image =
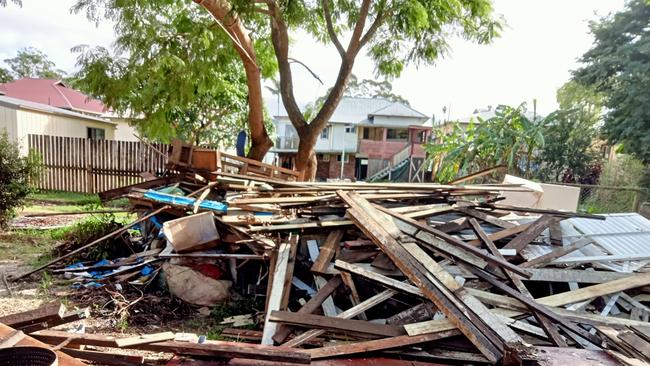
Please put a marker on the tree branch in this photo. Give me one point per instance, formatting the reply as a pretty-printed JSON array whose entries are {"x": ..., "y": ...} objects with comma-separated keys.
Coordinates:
[
  {"x": 330, "y": 28},
  {"x": 353, "y": 46},
  {"x": 280, "y": 40},
  {"x": 379, "y": 19},
  {"x": 306, "y": 67}
]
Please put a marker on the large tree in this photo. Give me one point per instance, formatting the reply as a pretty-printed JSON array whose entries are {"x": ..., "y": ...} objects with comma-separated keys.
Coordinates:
[
  {"x": 32, "y": 63},
  {"x": 571, "y": 138},
  {"x": 618, "y": 66},
  {"x": 174, "y": 74},
  {"x": 213, "y": 68},
  {"x": 394, "y": 33}
]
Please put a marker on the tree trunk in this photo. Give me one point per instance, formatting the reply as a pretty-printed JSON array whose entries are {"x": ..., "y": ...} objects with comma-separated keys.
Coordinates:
[
  {"x": 260, "y": 140},
  {"x": 306, "y": 162}
]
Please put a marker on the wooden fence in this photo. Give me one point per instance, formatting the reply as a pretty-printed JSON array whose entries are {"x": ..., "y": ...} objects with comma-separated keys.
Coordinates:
[{"x": 83, "y": 165}]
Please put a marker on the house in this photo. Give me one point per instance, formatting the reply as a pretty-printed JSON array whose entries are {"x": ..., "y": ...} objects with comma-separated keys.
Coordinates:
[
  {"x": 48, "y": 106},
  {"x": 365, "y": 136}
]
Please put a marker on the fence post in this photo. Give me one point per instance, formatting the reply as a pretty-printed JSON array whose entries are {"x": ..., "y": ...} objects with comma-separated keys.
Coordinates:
[
  {"x": 637, "y": 200},
  {"x": 89, "y": 168}
]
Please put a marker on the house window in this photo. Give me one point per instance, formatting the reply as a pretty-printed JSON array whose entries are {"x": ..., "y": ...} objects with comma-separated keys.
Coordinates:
[
  {"x": 352, "y": 129},
  {"x": 96, "y": 133},
  {"x": 397, "y": 134},
  {"x": 323, "y": 157},
  {"x": 326, "y": 133},
  {"x": 347, "y": 158},
  {"x": 371, "y": 133}
]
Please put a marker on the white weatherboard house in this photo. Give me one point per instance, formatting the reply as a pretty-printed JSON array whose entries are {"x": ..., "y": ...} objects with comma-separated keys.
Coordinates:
[{"x": 368, "y": 134}]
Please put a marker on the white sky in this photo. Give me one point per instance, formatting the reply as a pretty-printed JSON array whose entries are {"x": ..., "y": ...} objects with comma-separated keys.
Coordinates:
[{"x": 532, "y": 58}]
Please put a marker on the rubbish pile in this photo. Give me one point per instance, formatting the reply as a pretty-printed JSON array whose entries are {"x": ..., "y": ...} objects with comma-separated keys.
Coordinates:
[{"x": 389, "y": 273}]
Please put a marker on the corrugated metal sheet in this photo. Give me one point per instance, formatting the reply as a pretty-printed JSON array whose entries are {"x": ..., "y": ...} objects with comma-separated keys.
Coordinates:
[{"x": 618, "y": 234}]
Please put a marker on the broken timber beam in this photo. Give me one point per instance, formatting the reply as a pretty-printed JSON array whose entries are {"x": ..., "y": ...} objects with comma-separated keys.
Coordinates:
[{"x": 364, "y": 215}]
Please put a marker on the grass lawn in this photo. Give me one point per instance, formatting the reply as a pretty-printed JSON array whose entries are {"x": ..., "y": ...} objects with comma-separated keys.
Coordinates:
[{"x": 28, "y": 245}]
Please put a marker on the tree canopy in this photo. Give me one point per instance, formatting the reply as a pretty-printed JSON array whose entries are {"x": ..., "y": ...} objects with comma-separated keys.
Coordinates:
[
  {"x": 393, "y": 34},
  {"x": 173, "y": 71},
  {"x": 373, "y": 89},
  {"x": 30, "y": 63},
  {"x": 570, "y": 150},
  {"x": 618, "y": 66}
]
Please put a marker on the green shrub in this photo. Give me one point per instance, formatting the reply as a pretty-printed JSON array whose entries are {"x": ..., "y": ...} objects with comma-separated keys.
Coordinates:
[
  {"x": 625, "y": 171},
  {"x": 17, "y": 177}
]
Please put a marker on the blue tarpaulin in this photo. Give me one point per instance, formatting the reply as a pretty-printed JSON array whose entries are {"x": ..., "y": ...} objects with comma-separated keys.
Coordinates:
[{"x": 185, "y": 201}]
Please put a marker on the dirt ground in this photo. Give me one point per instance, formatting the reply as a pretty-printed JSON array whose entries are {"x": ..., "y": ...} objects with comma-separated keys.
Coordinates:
[{"x": 128, "y": 312}]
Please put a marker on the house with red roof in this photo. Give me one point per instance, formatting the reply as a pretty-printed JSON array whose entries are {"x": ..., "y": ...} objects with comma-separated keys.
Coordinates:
[{"x": 50, "y": 107}]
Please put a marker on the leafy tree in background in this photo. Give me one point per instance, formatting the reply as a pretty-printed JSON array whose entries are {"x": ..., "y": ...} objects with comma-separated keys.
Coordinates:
[
  {"x": 618, "y": 66},
  {"x": 174, "y": 73},
  {"x": 5, "y": 75},
  {"x": 394, "y": 33},
  {"x": 32, "y": 63},
  {"x": 509, "y": 138},
  {"x": 215, "y": 64},
  {"x": 569, "y": 152},
  {"x": 373, "y": 89}
]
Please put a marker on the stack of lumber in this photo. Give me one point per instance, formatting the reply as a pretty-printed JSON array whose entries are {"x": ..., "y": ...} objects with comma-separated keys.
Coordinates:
[{"x": 400, "y": 272}]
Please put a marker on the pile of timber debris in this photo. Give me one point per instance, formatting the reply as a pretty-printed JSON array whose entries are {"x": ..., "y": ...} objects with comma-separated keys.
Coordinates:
[{"x": 394, "y": 272}]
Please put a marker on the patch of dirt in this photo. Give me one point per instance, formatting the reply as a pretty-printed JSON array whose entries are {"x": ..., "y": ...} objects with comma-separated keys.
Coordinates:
[{"x": 45, "y": 222}]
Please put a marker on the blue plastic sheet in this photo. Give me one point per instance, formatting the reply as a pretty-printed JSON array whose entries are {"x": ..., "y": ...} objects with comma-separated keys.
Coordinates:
[{"x": 185, "y": 201}]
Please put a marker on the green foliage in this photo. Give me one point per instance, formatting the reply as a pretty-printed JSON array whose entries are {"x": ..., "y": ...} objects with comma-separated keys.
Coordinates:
[
  {"x": 90, "y": 229},
  {"x": 174, "y": 71},
  {"x": 569, "y": 153},
  {"x": 17, "y": 177},
  {"x": 624, "y": 171},
  {"x": 31, "y": 63},
  {"x": 618, "y": 66},
  {"x": 509, "y": 138},
  {"x": 5, "y": 75}
]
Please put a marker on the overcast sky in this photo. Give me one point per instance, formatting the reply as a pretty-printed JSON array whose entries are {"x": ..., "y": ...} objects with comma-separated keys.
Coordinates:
[{"x": 532, "y": 59}]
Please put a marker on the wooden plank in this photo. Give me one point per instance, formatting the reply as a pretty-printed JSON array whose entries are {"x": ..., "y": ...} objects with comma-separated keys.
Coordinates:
[
  {"x": 329, "y": 308},
  {"x": 209, "y": 348},
  {"x": 545, "y": 323},
  {"x": 277, "y": 291},
  {"x": 417, "y": 313},
  {"x": 556, "y": 253},
  {"x": 535, "y": 306},
  {"x": 51, "y": 311},
  {"x": 365, "y": 216},
  {"x": 494, "y": 323},
  {"x": 347, "y": 314},
  {"x": 590, "y": 292},
  {"x": 635, "y": 342},
  {"x": 453, "y": 241},
  {"x": 377, "y": 277},
  {"x": 334, "y": 324},
  {"x": 314, "y": 303},
  {"x": 327, "y": 251},
  {"x": 555, "y": 234},
  {"x": 531, "y": 233},
  {"x": 378, "y": 345},
  {"x": 355, "y": 299},
  {"x": 502, "y": 234},
  {"x": 103, "y": 357},
  {"x": 145, "y": 339},
  {"x": 483, "y": 216}
]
